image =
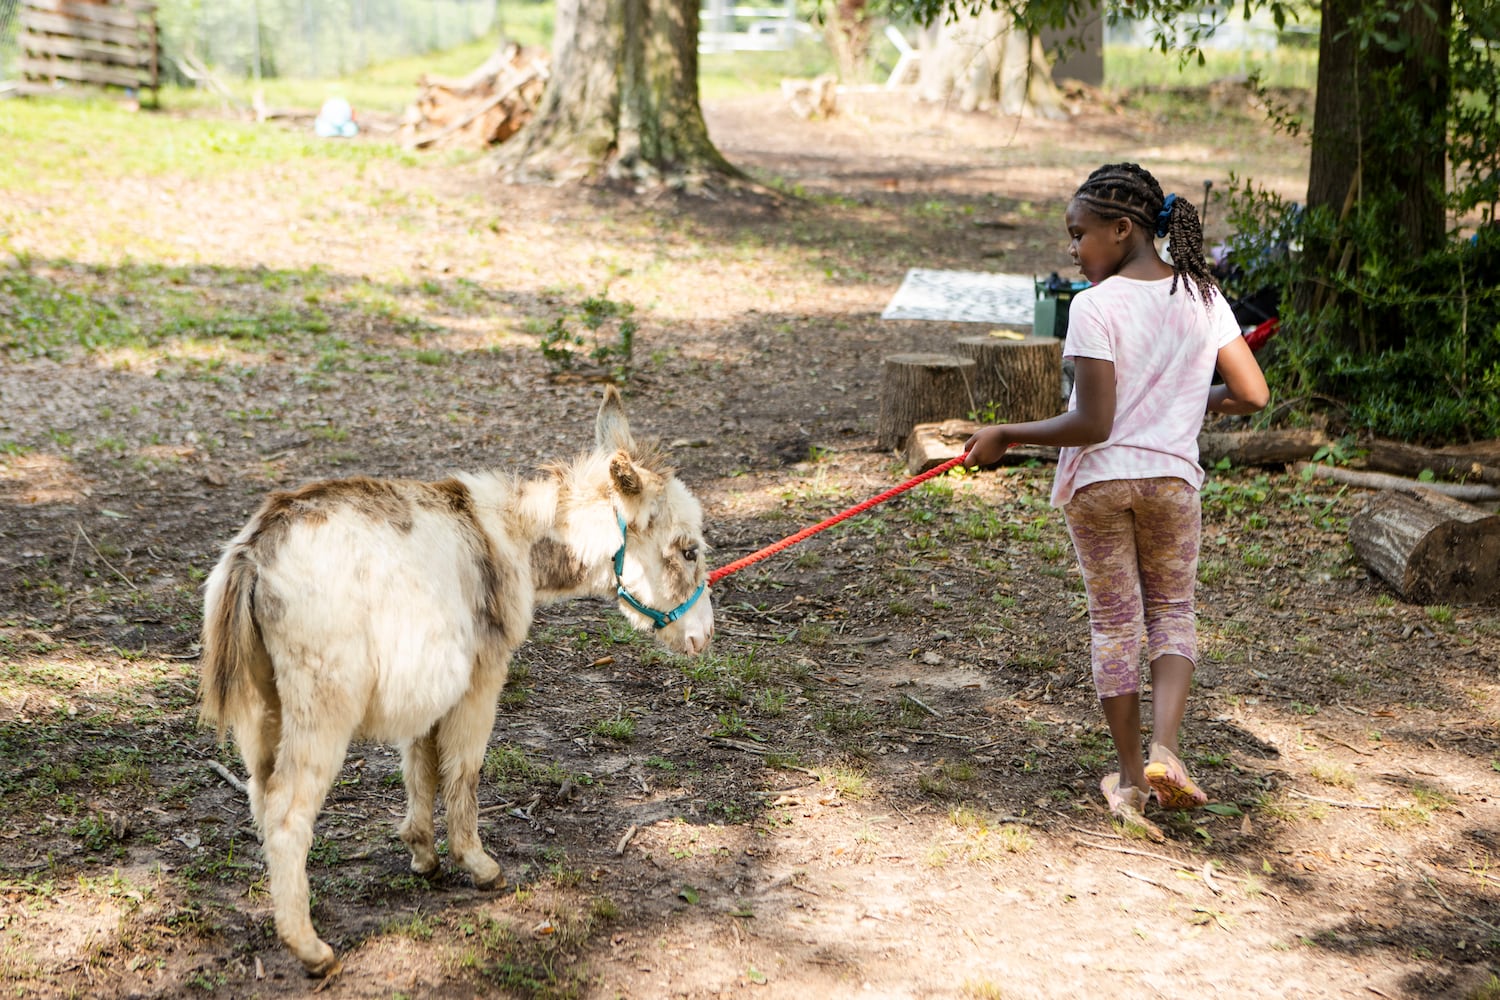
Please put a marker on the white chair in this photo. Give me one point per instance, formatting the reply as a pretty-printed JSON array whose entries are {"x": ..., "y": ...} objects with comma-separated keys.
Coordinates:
[{"x": 906, "y": 61}]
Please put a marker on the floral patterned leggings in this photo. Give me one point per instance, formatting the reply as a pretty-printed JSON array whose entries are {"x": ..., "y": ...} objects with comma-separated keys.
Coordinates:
[{"x": 1137, "y": 544}]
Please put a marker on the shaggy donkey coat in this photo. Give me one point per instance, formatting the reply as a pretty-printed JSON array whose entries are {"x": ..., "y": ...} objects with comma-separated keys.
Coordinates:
[{"x": 388, "y": 610}]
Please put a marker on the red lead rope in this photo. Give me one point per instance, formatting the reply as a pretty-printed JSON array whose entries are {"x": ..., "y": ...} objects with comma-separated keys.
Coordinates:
[{"x": 791, "y": 540}]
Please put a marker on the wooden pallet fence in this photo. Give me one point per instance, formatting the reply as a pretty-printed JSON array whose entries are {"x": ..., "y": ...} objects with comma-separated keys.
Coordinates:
[{"x": 110, "y": 44}]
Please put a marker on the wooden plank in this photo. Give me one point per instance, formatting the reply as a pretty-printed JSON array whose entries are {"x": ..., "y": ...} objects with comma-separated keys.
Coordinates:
[
  {"x": 51, "y": 45},
  {"x": 64, "y": 69},
  {"x": 55, "y": 24},
  {"x": 89, "y": 13}
]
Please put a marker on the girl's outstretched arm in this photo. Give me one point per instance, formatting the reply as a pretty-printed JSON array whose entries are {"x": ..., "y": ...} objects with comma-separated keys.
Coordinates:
[
  {"x": 1244, "y": 389},
  {"x": 1088, "y": 423}
]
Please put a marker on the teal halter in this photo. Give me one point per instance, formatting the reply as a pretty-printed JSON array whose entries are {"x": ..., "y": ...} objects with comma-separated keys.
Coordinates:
[{"x": 659, "y": 619}]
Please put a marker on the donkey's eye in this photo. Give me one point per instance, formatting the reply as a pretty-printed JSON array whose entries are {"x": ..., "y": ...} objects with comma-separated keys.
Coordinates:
[{"x": 691, "y": 555}]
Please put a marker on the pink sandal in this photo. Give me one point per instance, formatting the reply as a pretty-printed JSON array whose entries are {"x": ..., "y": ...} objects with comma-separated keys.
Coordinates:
[
  {"x": 1170, "y": 781},
  {"x": 1127, "y": 806}
]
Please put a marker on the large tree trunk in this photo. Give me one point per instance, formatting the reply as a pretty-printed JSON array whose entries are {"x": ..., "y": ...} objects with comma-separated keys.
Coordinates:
[
  {"x": 981, "y": 61},
  {"x": 622, "y": 102},
  {"x": 1359, "y": 154},
  {"x": 848, "y": 35}
]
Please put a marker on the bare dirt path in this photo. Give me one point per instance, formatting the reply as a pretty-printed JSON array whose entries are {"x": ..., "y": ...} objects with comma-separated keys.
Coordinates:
[{"x": 883, "y": 782}]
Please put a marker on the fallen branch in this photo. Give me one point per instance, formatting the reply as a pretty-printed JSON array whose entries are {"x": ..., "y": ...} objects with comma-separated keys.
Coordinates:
[
  {"x": 1335, "y": 802},
  {"x": 1150, "y": 881},
  {"x": 923, "y": 706},
  {"x": 624, "y": 840},
  {"x": 229, "y": 777},
  {"x": 128, "y": 582},
  {"x": 1471, "y": 492},
  {"x": 1458, "y": 913}
]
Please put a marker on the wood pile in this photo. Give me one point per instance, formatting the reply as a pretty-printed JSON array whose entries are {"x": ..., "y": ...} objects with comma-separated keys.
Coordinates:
[
  {"x": 100, "y": 42},
  {"x": 482, "y": 109}
]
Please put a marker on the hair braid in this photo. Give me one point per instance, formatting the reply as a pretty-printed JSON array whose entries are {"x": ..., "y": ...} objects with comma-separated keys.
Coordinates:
[{"x": 1128, "y": 191}]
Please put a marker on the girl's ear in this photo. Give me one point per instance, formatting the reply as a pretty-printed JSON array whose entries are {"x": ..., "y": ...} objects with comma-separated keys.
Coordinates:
[{"x": 1123, "y": 229}]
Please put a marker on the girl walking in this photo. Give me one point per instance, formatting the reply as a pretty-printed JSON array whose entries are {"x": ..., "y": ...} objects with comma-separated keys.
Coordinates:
[{"x": 1146, "y": 340}]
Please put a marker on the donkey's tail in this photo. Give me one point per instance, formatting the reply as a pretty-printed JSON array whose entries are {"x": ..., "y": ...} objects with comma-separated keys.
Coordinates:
[{"x": 235, "y": 667}]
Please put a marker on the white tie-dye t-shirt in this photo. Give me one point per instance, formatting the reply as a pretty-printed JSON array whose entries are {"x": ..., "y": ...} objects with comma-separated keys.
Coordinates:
[{"x": 1164, "y": 348}]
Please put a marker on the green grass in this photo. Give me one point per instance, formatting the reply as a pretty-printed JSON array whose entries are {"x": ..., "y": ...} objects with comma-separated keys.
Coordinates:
[
  {"x": 1127, "y": 67},
  {"x": 54, "y": 140}
]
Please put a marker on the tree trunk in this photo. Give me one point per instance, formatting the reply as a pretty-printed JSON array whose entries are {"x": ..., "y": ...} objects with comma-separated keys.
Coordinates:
[
  {"x": 622, "y": 103},
  {"x": 980, "y": 61},
  {"x": 1021, "y": 379},
  {"x": 848, "y": 35},
  {"x": 919, "y": 388},
  {"x": 1429, "y": 547},
  {"x": 1360, "y": 155}
]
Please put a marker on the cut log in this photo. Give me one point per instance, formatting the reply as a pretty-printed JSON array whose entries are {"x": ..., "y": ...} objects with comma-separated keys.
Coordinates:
[
  {"x": 1270, "y": 447},
  {"x": 486, "y": 107},
  {"x": 1467, "y": 463},
  {"x": 1429, "y": 547},
  {"x": 1020, "y": 379},
  {"x": 930, "y": 445},
  {"x": 919, "y": 388},
  {"x": 1473, "y": 492}
]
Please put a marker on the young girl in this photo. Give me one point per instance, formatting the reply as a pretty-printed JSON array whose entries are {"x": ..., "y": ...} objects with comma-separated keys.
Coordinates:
[{"x": 1145, "y": 341}]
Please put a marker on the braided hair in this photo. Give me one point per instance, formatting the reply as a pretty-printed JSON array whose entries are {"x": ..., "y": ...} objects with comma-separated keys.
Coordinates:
[{"x": 1127, "y": 190}]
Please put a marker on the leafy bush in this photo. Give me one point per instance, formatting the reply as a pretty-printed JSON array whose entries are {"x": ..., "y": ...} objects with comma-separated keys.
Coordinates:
[
  {"x": 610, "y": 341},
  {"x": 1399, "y": 345}
]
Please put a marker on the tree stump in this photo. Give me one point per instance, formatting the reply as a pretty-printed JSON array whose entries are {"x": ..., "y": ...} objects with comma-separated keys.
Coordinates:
[
  {"x": 919, "y": 388},
  {"x": 1429, "y": 547},
  {"x": 1021, "y": 379}
]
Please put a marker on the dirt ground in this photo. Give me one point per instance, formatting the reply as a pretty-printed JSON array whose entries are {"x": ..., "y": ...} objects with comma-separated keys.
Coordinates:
[{"x": 883, "y": 781}]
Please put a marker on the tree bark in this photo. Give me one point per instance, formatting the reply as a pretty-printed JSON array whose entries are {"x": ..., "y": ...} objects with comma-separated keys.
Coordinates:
[
  {"x": 622, "y": 102},
  {"x": 922, "y": 387},
  {"x": 1359, "y": 154},
  {"x": 1429, "y": 547},
  {"x": 981, "y": 61},
  {"x": 1269, "y": 447},
  {"x": 848, "y": 35},
  {"x": 1021, "y": 379}
]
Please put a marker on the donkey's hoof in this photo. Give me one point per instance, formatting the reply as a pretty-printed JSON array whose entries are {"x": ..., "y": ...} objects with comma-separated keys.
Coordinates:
[
  {"x": 424, "y": 866},
  {"x": 324, "y": 965},
  {"x": 488, "y": 876}
]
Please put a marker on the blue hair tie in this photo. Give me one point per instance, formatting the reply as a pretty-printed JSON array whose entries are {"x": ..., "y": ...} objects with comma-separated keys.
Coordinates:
[{"x": 1165, "y": 215}]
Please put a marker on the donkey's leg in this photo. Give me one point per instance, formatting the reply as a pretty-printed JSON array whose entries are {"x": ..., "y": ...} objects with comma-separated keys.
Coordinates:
[
  {"x": 308, "y": 761},
  {"x": 462, "y": 736},
  {"x": 257, "y": 737},
  {"x": 419, "y": 772}
]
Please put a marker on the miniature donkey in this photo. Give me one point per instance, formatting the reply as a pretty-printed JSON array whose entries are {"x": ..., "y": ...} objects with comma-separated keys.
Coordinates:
[{"x": 389, "y": 609}]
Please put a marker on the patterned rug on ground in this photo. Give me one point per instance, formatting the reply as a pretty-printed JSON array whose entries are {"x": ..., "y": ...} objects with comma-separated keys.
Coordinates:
[{"x": 964, "y": 296}]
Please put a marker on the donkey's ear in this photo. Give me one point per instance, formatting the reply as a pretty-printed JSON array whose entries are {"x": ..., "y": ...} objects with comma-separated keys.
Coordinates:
[
  {"x": 612, "y": 430},
  {"x": 629, "y": 478}
]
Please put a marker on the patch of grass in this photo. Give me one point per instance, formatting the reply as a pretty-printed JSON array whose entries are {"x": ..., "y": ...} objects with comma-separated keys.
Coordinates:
[
  {"x": 846, "y": 781},
  {"x": 621, "y": 728},
  {"x": 508, "y": 767},
  {"x": 1333, "y": 775}
]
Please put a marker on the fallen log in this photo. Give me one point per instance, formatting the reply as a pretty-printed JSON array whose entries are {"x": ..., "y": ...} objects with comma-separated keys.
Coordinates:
[
  {"x": 934, "y": 443},
  {"x": 1268, "y": 447},
  {"x": 1430, "y": 547},
  {"x": 930, "y": 445},
  {"x": 1472, "y": 492},
  {"x": 1475, "y": 463},
  {"x": 486, "y": 107}
]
